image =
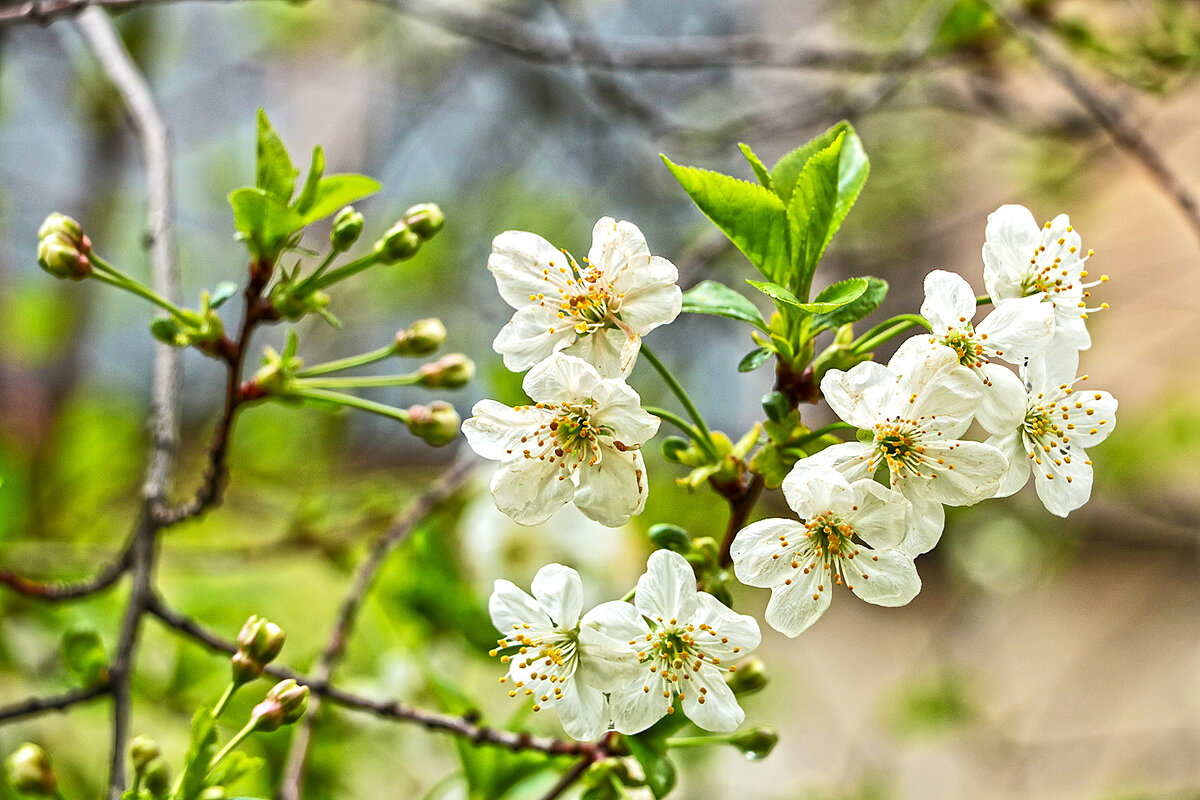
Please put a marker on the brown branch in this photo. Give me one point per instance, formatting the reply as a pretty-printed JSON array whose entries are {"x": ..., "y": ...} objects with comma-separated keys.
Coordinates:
[
  {"x": 292, "y": 785},
  {"x": 58, "y": 591},
  {"x": 58, "y": 702},
  {"x": 569, "y": 777}
]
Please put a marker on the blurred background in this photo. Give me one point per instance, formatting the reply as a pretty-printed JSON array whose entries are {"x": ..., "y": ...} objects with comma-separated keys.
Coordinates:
[{"x": 1043, "y": 659}]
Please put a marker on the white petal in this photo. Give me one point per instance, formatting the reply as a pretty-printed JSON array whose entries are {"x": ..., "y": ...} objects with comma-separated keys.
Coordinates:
[
  {"x": 927, "y": 521},
  {"x": 668, "y": 588},
  {"x": 495, "y": 429},
  {"x": 640, "y": 704},
  {"x": 1012, "y": 445},
  {"x": 741, "y": 630},
  {"x": 521, "y": 263},
  {"x": 582, "y": 711},
  {"x": 617, "y": 247},
  {"x": 860, "y": 395},
  {"x": 852, "y": 459},
  {"x": 814, "y": 489},
  {"x": 527, "y": 339},
  {"x": 1054, "y": 369},
  {"x": 620, "y": 409},
  {"x": 1011, "y": 237},
  {"x": 1059, "y": 495},
  {"x": 510, "y": 608},
  {"x": 949, "y": 301},
  {"x": 1017, "y": 329},
  {"x": 614, "y": 488},
  {"x": 884, "y": 577},
  {"x": 793, "y": 609},
  {"x": 1003, "y": 406},
  {"x": 882, "y": 518},
  {"x": 934, "y": 387},
  {"x": 715, "y": 709},
  {"x": 618, "y": 620},
  {"x": 559, "y": 592},
  {"x": 656, "y": 301},
  {"x": 604, "y": 662},
  {"x": 971, "y": 472},
  {"x": 754, "y": 547},
  {"x": 561, "y": 378},
  {"x": 529, "y": 490},
  {"x": 1089, "y": 428},
  {"x": 608, "y": 350}
]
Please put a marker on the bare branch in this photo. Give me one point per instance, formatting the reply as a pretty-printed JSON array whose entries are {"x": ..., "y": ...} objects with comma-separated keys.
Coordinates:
[
  {"x": 58, "y": 702},
  {"x": 569, "y": 777},
  {"x": 58, "y": 591},
  {"x": 292, "y": 785}
]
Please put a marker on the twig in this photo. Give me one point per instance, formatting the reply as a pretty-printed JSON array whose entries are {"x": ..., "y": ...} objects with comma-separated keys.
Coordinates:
[
  {"x": 568, "y": 778},
  {"x": 57, "y": 591},
  {"x": 58, "y": 702},
  {"x": 461, "y": 726},
  {"x": 292, "y": 785}
]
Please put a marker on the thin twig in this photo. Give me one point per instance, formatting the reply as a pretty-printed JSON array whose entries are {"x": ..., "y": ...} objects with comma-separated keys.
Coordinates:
[
  {"x": 58, "y": 702},
  {"x": 58, "y": 591},
  {"x": 292, "y": 785},
  {"x": 568, "y": 778}
]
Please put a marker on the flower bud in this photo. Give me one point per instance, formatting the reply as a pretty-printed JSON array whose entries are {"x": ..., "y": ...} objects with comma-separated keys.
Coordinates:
[
  {"x": 29, "y": 772},
  {"x": 258, "y": 644},
  {"x": 157, "y": 777},
  {"x": 399, "y": 243},
  {"x": 143, "y": 750},
  {"x": 425, "y": 220},
  {"x": 751, "y": 675},
  {"x": 436, "y": 423},
  {"x": 757, "y": 743},
  {"x": 347, "y": 227},
  {"x": 285, "y": 703},
  {"x": 66, "y": 228},
  {"x": 452, "y": 371},
  {"x": 62, "y": 259},
  {"x": 214, "y": 793},
  {"x": 421, "y": 338}
]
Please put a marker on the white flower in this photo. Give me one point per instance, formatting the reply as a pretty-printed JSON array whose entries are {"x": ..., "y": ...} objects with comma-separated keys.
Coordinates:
[
  {"x": 1012, "y": 332},
  {"x": 683, "y": 650},
  {"x": 915, "y": 409},
  {"x": 1024, "y": 259},
  {"x": 562, "y": 662},
  {"x": 800, "y": 563},
  {"x": 599, "y": 311},
  {"x": 579, "y": 440},
  {"x": 1059, "y": 421}
]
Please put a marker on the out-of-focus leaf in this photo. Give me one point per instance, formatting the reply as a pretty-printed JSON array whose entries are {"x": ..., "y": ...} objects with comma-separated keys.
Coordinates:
[
  {"x": 336, "y": 191},
  {"x": 659, "y": 771},
  {"x": 711, "y": 297},
  {"x": 200, "y": 754},
  {"x": 754, "y": 359},
  {"x": 224, "y": 291},
  {"x": 835, "y": 296},
  {"x": 308, "y": 194},
  {"x": 84, "y": 655},
  {"x": 274, "y": 172}
]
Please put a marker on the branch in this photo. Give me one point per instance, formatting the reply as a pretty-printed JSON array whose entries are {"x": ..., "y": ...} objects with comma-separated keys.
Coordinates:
[
  {"x": 57, "y": 591},
  {"x": 569, "y": 777},
  {"x": 58, "y": 702},
  {"x": 464, "y": 726},
  {"x": 292, "y": 786}
]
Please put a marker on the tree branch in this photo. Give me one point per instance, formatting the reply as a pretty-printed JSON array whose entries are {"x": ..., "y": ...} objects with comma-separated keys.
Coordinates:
[
  {"x": 58, "y": 702},
  {"x": 57, "y": 591}
]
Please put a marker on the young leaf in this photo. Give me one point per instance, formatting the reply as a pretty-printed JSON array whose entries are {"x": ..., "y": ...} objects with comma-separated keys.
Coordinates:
[
  {"x": 265, "y": 220},
  {"x": 776, "y": 292},
  {"x": 336, "y": 191},
  {"x": 199, "y": 755},
  {"x": 754, "y": 359},
  {"x": 788, "y": 168},
  {"x": 836, "y": 296},
  {"x": 83, "y": 653},
  {"x": 312, "y": 181},
  {"x": 855, "y": 310},
  {"x": 711, "y": 297},
  {"x": 652, "y": 755},
  {"x": 752, "y": 217},
  {"x": 274, "y": 172},
  {"x": 811, "y": 211},
  {"x": 760, "y": 169},
  {"x": 221, "y": 294}
]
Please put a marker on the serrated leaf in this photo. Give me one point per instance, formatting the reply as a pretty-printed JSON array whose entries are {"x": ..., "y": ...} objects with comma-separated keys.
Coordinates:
[
  {"x": 659, "y": 771},
  {"x": 754, "y": 359},
  {"x": 265, "y": 220},
  {"x": 776, "y": 292},
  {"x": 867, "y": 302},
  {"x": 83, "y": 653},
  {"x": 711, "y": 297},
  {"x": 788, "y": 168},
  {"x": 224, "y": 291},
  {"x": 274, "y": 172},
  {"x": 336, "y": 191},
  {"x": 760, "y": 169},
  {"x": 312, "y": 181},
  {"x": 753, "y": 218},
  {"x": 836, "y": 296},
  {"x": 811, "y": 211},
  {"x": 200, "y": 753}
]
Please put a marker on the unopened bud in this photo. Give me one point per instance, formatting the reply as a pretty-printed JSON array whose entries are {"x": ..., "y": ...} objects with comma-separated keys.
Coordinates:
[
  {"x": 437, "y": 423},
  {"x": 62, "y": 258},
  {"x": 259, "y": 642},
  {"x": 157, "y": 777},
  {"x": 285, "y": 703},
  {"x": 421, "y": 338},
  {"x": 751, "y": 676},
  {"x": 68, "y": 229},
  {"x": 399, "y": 243},
  {"x": 347, "y": 227},
  {"x": 29, "y": 772},
  {"x": 425, "y": 220},
  {"x": 142, "y": 751},
  {"x": 452, "y": 371},
  {"x": 756, "y": 744}
]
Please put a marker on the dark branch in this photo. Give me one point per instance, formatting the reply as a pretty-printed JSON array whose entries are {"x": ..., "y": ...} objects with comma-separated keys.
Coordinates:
[
  {"x": 58, "y": 702},
  {"x": 58, "y": 591}
]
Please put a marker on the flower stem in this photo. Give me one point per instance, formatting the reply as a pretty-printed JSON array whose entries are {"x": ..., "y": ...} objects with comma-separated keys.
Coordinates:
[
  {"x": 681, "y": 393},
  {"x": 320, "y": 270},
  {"x": 347, "y": 363},
  {"x": 365, "y": 381},
  {"x": 128, "y": 284},
  {"x": 342, "y": 272},
  {"x": 224, "y": 701},
  {"x": 232, "y": 743},
  {"x": 676, "y": 420},
  {"x": 698, "y": 741},
  {"x": 886, "y": 330},
  {"x": 349, "y": 400},
  {"x": 982, "y": 300}
]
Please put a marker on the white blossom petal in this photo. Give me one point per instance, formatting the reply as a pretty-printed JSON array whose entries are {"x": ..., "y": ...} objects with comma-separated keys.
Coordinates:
[
  {"x": 716, "y": 708},
  {"x": 949, "y": 301},
  {"x": 928, "y": 517},
  {"x": 582, "y": 711},
  {"x": 1059, "y": 495},
  {"x": 640, "y": 704},
  {"x": 667, "y": 590},
  {"x": 793, "y": 609},
  {"x": 885, "y": 578},
  {"x": 510, "y": 607},
  {"x": 610, "y": 350},
  {"x": 605, "y": 663},
  {"x": 531, "y": 336},
  {"x": 614, "y": 488},
  {"x": 494, "y": 429},
  {"x": 1017, "y": 329},
  {"x": 857, "y": 396},
  {"x": 1011, "y": 236},
  {"x": 1017, "y": 474},
  {"x": 971, "y": 472},
  {"x": 559, "y": 591},
  {"x": 882, "y": 518},
  {"x": 525, "y": 264},
  {"x": 529, "y": 490},
  {"x": 758, "y": 558},
  {"x": 620, "y": 409},
  {"x": 741, "y": 630},
  {"x": 812, "y": 489},
  {"x": 561, "y": 379}
]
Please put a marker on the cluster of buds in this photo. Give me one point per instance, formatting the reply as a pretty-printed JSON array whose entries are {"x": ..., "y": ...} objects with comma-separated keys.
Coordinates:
[
  {"x": 63, "y": 248},
  {"x": 259, "y": 643},
  {"x": 402, "y": 241},
  {"x": 284, "y": 704},
  {"x": 347, "y": 227},
  {"x": 149, "y": 767}
]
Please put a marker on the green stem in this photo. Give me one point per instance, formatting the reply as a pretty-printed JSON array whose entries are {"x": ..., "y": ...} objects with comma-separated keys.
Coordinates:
[
  {"x": 134, "y": 287},
  {"x": 320, "y": 270},
  {"x": 342, "y": 272},
  {"x": 363, "y": 382},
  {"x": 681, "y": 393},
  {"x": 628, "y": 596},
  {"x": 351, "y": 401},
  {"x": 982, "y": 300},
  {"x": 886, "y": 330},
  {"x": 224, "y": 701},
  {"x": 348, "y": 363},
  {"x": 232, "y": 743},
  {"x": 812, "y": 436},
  {"x": 698, "y": 741},
  {"x": 674, "y": 419}
]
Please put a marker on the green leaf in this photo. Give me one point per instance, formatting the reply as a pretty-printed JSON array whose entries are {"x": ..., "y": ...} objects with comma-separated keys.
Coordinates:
[
  {"x": 236, "y": 766},
  {"x": 265, "y": 220},
  {"x": 336, "y": 191},
  {"x": 760, "y": 169},
  {"x": 753, "y": 218},
  {"x": 308, "y": 194},
  {"x": 83, "y": 653},
  {"x": 754, "y": 359},
  {"x": 711, "y": 297},
  {"x": 652, "y": 755},
  {"x": 811, "y": 211},
  {"x": 867, "y": 302},
  {"x": 200, "y": 754},
  {"x": 776, "y": 292},
  {"x": 224, "y": 291},
  {"x": 836, "y": 296},
  {"x": 773, "y": 463},
  {"x": 274, "y": 172},
  {"x": 788, "y": 168}
]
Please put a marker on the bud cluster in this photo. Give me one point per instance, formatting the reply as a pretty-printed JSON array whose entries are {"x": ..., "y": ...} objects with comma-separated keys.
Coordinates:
[
  {"x": 402, "y": 241},
  {"x": 259, "y": 643},
  {"x": 63, "y": 248},
  {"x": 284, "y": 704}
]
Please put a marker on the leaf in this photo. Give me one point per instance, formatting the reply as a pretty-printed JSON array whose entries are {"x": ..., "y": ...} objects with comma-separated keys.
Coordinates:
[
  {"x": 788, "y": 168},
  {"x": 83, "y": 653},
  {"x": 811, "y": 211},
  {"x": 867, "y": 302},
  {"x": 836, "y": 296},
  {"x": 265, "y": 220},
  {"x": 236, "y": 766},
  {"x": 754, "y": 359},
  {"x": 711, "y": 297},
  {"x": 753, "y": 218},
  {"x": 652, "y": 755},
  {"x": 308, "y": 194},
  {"x": 200, "y": 753},
  {"x": 775, "y": 292},
  {"x": 224, "y": 291},
  {"x": 274, "y": 172},
  {"x": 760, "y": 169},
  {"x": 336, "y": 191},
  {"x": 773, "y": 463}
]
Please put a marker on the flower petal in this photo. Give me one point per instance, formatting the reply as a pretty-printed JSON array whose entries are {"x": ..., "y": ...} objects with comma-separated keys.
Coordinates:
[
  {"x": 667, "y": 590},
  {"x": 604, "y": 662},
  {"x": 1017, "y": 329},
  {"x": 852, "y": 459},
  {"x": 1011, "y": 237},
  {"x": 529, "y": 490},
  {"x": 620, "y": 409},
  {"x": 814, "y": 489},
  {"x": 1063, "y": 486},
  {"x": 614, "y": 488},
  {"x": 859, "y": 396},
  {"x": 884, "y": 577},
  {"x": 495, "y": 429},
  {"x": 759, "y": 559},
  {"x": 928, "y": 518},
  {"x": 651, "y": 296},
  {"x": 715, "y": 708},
  {"x": 525, "y": 264},
  {"x": 510, "y": 608},
  {"x": 531, "y": 336},
  {"x": 582, "y": 711},
  {"x": 559, "y": 592},
  {"x": 561, "y": 378},
  {"x": 640, "y": 704},
  {"x": 971, "y": 472},
  {"x": 882, "y": 518},
  {"x": 932, "y": 386},
  {"x": 949, "y": 301},
  {"x": 723, "y": 623},
  {"x": 1012, "y": 445},
  {"x": 608, "y": 350},
  {"x": 1003, "y": 405},
  {"x": 793, "y": 609},
  {"x": 618, "y": 620},
  {"x": 618, "y": 247}
]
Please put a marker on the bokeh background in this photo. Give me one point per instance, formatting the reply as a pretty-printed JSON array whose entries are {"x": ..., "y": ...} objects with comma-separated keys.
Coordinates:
[{"x": 1043, "y": 659}]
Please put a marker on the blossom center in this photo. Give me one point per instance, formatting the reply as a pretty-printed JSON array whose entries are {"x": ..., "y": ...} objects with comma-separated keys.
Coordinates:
[
  {"x": 962, "y": 341},
  {"x": 546, "y": 659},
  {"x": 898, "y": 444},
  {"x": 676, "y": 653}
]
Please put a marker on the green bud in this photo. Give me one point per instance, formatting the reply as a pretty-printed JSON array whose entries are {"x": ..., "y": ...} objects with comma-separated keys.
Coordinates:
[
  {"x": 285, "y": 703},
  {"x": 290, "y": 305},
  {"x": 29, "y": 772},
  {"x": 214, "y": 793},
  {"x": 436, "y": 423},
  {"x": 425, "y": 220},
  {"x": 67, "y": 229},
  {"x": 258, "y": 645},
  {"x": 347, "y": 227},
  {"x": 750, "y": 676},
  {"x": 62, "y": 258},
  {"x": 421, "y": 338},
  {"x": 776, "y": 406},
  {"x": 757, "y": 743},
  {"x": 157, "y": 777},
  {"x": 143, "y": 750},
  {"x": 674, "y": 448},
  {"x": 670, "y": 537},
  {"x": 399, "y": 243},
  {"x": 452, "y": 371}
]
